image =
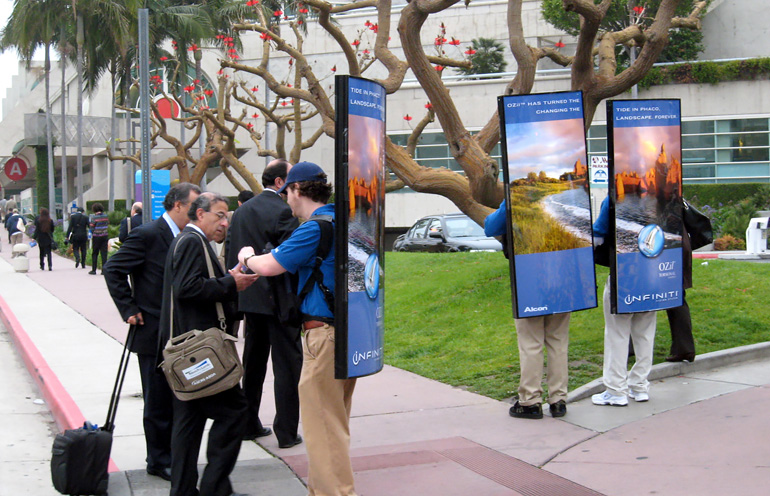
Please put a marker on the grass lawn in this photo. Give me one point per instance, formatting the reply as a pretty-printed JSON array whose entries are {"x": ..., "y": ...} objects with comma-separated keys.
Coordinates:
[{"x": 448, "y": 317}]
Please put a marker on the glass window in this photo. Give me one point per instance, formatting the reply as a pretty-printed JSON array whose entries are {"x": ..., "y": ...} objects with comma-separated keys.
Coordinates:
[
  {"x": 463, "y": 227},
  {"x": 701, "y": 141},
  {"x": 692, "y": 171},
  {"x": 697, "y": 156},
  {"x": 434, "y": 227},
  {"x": 697, "y": 127},
  {"x": 418, "y": 231}
]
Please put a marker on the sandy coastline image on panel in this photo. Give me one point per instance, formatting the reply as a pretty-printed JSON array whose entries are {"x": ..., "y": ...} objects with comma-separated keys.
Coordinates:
[{"x": 549, "y": 185}]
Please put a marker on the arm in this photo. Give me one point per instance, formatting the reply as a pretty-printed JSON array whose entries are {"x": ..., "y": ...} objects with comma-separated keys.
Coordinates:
[
  {"x": 494, "y": 224},
  {"x": 123, "y": 232},
  {"x": 126, "y": 261},
  {"x": 191, "y": 279},
  {"x": 263, "y": 265}
]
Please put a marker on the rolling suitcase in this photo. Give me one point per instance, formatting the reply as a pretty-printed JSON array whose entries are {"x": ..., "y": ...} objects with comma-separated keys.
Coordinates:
[{"x": 80, "y": 457}]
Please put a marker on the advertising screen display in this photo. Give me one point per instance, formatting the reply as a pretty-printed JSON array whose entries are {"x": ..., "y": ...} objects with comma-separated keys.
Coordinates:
[
  {"x": 545, "y": 170},
  {"x": 645, "y": 163},
  {"x": 359, "y": 227}
]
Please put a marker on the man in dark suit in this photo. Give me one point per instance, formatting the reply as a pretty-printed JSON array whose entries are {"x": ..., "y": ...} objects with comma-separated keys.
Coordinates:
[
  {"x": 77, "y": 234},
  {"x": 142, "y": 258},
  {"x": 133, "y": 221},
  {"x": 266, "y": 220},
  {"x": 195, "y": 298}
]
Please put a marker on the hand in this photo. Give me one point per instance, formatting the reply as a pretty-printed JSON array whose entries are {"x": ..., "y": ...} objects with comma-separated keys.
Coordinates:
[
  {"x": 246, "y": 251},
  {"x": 135, "y": 319},
  {"x": 242, "y": 281}
]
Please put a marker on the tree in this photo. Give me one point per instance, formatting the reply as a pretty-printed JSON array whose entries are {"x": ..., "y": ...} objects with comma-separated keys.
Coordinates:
[
  {"x": 593, "y": 70},
  {"x": 684, "y": 44},
  {"x": 487, "y": 56},
  {"x": 34, "y": 24}
]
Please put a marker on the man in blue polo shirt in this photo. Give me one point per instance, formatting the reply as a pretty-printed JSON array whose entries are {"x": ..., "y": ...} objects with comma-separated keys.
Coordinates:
[{"x": 325, "y": 402}]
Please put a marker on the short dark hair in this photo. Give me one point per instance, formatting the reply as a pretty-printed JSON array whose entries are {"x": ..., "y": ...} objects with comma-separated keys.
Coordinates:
[
  {"x": 245, "y": 195},
  {"x": 317, "y": 191},
  {"x": 138, "y": 211},
  {"x": 204, "y": 201},
  {"x": 275, "y": 169},
  {"x": 97, "y": 208},
  {"x": 179, "y": 193}
]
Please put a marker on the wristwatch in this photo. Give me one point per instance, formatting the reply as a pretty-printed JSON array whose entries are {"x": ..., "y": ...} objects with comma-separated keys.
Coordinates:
[{"x": 246, "y": 260}]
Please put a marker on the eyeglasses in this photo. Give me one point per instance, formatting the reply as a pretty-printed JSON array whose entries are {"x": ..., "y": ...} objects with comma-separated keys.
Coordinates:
[{"x": 220, "y": 215}]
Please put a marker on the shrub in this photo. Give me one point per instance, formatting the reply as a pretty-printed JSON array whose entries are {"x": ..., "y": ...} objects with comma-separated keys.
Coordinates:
[{"x": 729, "y": 243}]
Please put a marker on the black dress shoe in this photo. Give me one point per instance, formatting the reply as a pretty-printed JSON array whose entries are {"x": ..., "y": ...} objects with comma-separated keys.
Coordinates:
[
  {"x": 558, "y": 409},
  {"x": 92, "y": 272},
  {"x": 290, "y": 444},
  {"x": 528, "y": 412},
  {"x": 682, "y": 357},
  {"x": 163, "y": 473},
  {"x": 262, "y": 432}
]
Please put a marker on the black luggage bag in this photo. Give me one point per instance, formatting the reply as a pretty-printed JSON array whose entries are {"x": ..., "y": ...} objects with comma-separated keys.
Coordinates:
[{"x": 80, "y": 457}]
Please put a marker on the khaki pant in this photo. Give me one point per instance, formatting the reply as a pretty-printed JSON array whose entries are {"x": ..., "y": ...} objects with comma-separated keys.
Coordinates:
[
  {"x": 325, "y": 404},
  {"x": 551, "y": 331},
  {"x": 16, "y": 238},
  {"x": 640, "y": 327}
]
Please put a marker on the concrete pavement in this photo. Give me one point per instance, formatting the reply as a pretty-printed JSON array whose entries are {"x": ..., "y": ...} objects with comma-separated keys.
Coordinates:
[{"x": 702, "y": 432}]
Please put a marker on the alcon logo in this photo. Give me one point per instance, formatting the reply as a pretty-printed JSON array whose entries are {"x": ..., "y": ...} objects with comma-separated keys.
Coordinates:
[{"x": 536, "y": 309}]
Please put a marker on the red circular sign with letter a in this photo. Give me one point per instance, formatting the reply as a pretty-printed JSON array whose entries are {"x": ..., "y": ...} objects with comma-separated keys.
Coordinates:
[{"x": 16, "y": 168}]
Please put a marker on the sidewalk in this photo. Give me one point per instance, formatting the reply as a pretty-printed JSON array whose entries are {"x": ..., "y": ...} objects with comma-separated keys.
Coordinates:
[{"x": 703, "y": 431}]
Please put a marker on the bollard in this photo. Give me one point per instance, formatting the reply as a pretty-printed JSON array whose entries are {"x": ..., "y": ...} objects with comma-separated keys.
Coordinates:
[{"x": 19, "y": 260}]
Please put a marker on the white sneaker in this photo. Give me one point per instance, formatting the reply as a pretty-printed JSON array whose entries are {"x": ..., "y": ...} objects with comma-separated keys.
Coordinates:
[
  {"x": 639, "y": 396},
  {"x": 607, "y": 398}
]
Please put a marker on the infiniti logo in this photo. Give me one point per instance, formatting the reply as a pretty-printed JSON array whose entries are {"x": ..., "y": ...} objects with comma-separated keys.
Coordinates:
[
  {"x": 664, "y": 296},
  {"x": 360, "y": 356}
]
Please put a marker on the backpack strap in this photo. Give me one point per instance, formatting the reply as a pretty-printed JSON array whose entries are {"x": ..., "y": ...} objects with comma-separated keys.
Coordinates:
[{"x": 326, "y": 224}]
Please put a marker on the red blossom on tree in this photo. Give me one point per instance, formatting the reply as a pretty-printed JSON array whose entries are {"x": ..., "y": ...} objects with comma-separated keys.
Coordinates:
[
  {"x": 559, "y": 44},
  {"x": 163, "y": 59},
  {"x": 428, "y": 105},
  {"x": 252, "y": 3},
  {"x": 193, "y": 48},
  {"x": 439, "y": 68},
  {"x": 189, "y": 89},
  {"x": 303, "y": 11},
  {"x": 334, "y": 69},
  {"x": 440, "y": 41},
  {"x": 407, "y": 117},
  {"x": 454, "y": 42},
  {"x": 254, "y": 88},
  {"x": 470, "y": 51},
  {"x": 250, "y": 126},
  {"x": 209, "y": 92},
  {"x": 254, "y": 115},
  {"x": 638, "y": 10},
  {"x": 196, "y": 81},
  {"x": 356, "y": 42},
  {"x": 375, "y": 28},
  {"x": 265, "y": 36},
  {"x": 278, "y": 13}
]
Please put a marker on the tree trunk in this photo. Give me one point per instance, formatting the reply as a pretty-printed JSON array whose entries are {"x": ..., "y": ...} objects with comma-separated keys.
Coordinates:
[
  {"x": 49, "y": 136},
  {"x": 80, "y": 39}
]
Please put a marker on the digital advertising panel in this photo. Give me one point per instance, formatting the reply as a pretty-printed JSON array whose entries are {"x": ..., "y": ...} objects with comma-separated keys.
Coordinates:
[
  {"x": 359, "y": 227},
  {"x": 645, "y": 164},
  {"x": 545, "y": 170}
]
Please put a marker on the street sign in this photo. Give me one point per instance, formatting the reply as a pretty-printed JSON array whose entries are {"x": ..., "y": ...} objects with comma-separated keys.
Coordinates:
[{"x": 16, "y": 168}]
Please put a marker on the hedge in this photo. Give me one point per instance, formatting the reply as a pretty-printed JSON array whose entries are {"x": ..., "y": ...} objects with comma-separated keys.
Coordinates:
[{"x": 715, "y": 195}]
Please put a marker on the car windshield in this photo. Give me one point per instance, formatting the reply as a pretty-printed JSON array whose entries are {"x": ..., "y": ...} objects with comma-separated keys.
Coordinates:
[{"x": 463, "y": 227}]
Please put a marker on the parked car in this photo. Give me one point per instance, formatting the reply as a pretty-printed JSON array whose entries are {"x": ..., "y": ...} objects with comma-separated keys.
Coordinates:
[{"x": 449, "y": 232}]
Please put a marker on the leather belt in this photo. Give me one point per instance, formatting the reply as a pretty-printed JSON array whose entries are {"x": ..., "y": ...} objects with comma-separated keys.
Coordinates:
[{"x": 312, "y": 324}]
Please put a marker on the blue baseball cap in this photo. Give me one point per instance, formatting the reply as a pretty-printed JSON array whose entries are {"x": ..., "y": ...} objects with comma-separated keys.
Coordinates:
[{"x": 304, "y": 171}]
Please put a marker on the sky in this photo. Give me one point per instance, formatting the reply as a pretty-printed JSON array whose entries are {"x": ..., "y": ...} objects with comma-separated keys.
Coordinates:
[
  {"x": 549, "y": 146},
  {"x": 8, "y": 60}
]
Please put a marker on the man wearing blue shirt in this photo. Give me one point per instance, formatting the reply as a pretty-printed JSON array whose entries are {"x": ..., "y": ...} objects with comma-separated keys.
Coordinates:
[
  {"x": 532, "y": 334},
  {"x": 325, "y": 402}
]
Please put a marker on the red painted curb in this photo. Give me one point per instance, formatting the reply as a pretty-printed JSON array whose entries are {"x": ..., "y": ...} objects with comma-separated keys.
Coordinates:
[
  {"x": 705, "y": 255},
  {"x": 63, "y": 408}
]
